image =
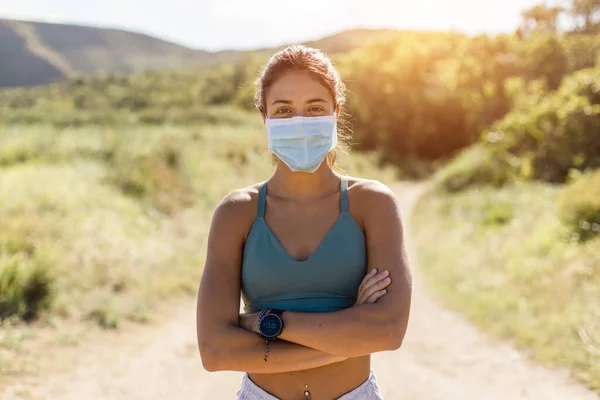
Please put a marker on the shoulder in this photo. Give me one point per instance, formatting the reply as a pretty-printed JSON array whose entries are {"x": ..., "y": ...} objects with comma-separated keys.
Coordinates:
[
  {"x": 374, "y": 204},
  {"x": 372, "y": 193},
  {"x": 238, "y": 208}
]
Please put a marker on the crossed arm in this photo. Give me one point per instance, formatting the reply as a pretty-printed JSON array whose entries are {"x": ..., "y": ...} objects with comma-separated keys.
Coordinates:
[{"x": 309, "y": 340}]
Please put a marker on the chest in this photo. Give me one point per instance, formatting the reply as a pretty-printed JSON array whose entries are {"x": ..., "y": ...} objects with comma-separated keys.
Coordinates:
[
  {"x": 302, "y": 229},
  {"x": 305, "y": 258},
  {"x": 331, "y": 273}
]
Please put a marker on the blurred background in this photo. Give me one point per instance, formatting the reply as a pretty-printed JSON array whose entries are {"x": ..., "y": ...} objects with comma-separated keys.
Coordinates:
[{"x": 123, "y": 124}]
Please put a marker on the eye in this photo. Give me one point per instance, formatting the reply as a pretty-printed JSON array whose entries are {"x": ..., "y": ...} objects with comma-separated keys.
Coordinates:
[
  {"x": 316, "y": 109},
  {"x": 283, "y": 111}
]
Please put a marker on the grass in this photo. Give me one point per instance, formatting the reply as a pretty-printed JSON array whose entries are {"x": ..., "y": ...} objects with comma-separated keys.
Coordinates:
[
  {"x": 100, "y": 224},
  {"x": 503, "y": 257}
]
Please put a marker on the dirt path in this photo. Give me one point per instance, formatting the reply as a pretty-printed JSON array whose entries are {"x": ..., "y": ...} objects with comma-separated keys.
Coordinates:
[{"x": 443, "y": 357}]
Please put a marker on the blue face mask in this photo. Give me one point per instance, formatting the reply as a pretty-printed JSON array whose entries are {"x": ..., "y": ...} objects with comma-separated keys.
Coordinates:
[{"x": 302, "y": 143}]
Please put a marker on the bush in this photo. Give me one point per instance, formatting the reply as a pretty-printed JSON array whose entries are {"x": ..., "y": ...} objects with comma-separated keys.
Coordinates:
[
  {"x": 579, "y": 206},
  {"x": 149, "y": 168},
  {"x": 477, "y": 165},
  {"x": 554, "y": 133},
  {"x": 544, "y": 57},
  {"x": 16, "y": 151},
  {"x": 582, "y": 50},
  {"x": 26, "y": 287},
  {"x": 497, "y": 214}
]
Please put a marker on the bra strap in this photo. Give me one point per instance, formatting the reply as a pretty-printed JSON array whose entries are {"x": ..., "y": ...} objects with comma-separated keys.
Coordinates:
[
  {"x": 262, "y": 198},
  {"x": 344, "y": 194}
]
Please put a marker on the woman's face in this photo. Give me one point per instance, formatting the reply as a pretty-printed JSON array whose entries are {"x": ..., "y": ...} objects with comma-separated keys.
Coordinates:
[{"x": 298, "y": 94}]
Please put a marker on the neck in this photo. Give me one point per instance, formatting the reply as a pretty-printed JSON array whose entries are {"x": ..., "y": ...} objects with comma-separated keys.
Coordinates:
[{"x": 303, "y": 185}]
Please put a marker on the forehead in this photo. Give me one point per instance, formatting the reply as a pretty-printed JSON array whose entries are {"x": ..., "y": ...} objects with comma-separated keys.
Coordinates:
[{"x": 297, "y": 86}]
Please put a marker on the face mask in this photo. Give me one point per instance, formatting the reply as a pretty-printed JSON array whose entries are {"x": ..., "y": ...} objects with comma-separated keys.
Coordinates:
[{"x": 302, "y": 143}]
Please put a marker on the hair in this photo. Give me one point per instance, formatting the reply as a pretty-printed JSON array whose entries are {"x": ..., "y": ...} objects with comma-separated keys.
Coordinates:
[{"x": 321, "y": 68}]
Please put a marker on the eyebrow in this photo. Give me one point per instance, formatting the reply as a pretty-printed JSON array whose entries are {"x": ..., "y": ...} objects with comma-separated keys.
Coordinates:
[
  {"x": 290, "y": 102},
  {"x": 282, "y": 101}
]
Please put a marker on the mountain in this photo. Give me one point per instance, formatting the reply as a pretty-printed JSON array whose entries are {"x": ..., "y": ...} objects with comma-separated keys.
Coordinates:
[
  {"x": 36, "y": 53},
  {"x": 33, "y": 53}
]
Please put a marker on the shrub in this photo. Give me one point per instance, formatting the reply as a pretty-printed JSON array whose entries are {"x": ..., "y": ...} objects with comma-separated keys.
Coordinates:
[
  {"x": 544, "y": 56},
  {"x": 476, "y": 165},
  {"x": 582, "y": 50},
  {"x": 16, "y": 151},
  {"x": 26, "y": 287},
  {"x": 105, "y": 317},
  {"x": 579, "y": 206},
  {"x": 497, "y": 214},
  {"x": 558, "y": 133},
  {"x": 149, "y": 168}
]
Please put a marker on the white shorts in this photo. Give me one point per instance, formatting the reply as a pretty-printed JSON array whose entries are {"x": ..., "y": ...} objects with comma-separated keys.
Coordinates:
[{"x": 368, "y": 390}]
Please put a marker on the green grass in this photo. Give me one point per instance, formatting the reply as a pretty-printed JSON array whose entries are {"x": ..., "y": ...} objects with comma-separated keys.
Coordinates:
[
  {"x": 503, "y": 257},
  {"x": 99, "y": 224}
]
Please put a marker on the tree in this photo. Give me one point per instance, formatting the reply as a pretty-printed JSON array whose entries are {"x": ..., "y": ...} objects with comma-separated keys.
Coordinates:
[
  {"x": 540, "y": 18},
  {"x": 589, "y": 12}
]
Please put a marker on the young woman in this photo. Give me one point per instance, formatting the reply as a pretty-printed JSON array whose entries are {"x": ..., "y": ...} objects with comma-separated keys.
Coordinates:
[{"x": 313, "y": 254}]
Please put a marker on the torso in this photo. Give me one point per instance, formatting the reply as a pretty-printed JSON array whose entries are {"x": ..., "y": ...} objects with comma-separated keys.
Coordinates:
[
  {"x": 327, "y": 382},
  {"x": 300, "y": 231}
]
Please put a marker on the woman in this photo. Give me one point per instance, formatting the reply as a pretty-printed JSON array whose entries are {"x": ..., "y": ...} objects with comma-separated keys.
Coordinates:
[{"x": 313, "y": 254}]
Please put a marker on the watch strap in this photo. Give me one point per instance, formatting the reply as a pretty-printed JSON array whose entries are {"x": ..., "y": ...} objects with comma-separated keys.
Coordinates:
[{"x": 276, "y": 312}]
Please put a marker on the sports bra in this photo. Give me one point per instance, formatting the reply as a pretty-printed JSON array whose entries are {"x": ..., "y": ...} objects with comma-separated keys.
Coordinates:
[{"x": 327, "y": 281}]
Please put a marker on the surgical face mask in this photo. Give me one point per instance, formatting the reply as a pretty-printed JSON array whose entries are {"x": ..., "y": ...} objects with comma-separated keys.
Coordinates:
[{"x": 302, "y": 143}]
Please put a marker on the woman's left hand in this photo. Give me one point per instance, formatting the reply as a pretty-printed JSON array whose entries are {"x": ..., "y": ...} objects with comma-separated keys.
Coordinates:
[{"x": 249, "y": 321}]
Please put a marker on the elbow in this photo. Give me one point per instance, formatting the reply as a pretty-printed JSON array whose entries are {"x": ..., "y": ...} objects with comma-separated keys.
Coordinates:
[
  {"x": 215, "y": 351},
  {"x": 395, "y": 342},
  {"x": 209, "y": 358},
  {"x": 209, "y": 364},
  {"x": 392, "y": 342},
  {"x": 395, "y": 335}
]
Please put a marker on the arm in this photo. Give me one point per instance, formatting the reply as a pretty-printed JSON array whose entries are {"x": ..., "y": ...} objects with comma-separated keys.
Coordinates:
[
  {"x": 222, "y": 343},
  {"x": 366, "y": 328},
  {"x": 248, "y": 351}
]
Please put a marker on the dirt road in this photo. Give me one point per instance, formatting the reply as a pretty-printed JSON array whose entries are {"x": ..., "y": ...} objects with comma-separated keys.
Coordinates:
[{"x": 443, "y": 357}]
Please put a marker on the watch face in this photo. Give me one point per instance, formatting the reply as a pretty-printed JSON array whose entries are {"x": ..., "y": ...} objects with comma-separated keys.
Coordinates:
[{"x": 270, "y": 325}]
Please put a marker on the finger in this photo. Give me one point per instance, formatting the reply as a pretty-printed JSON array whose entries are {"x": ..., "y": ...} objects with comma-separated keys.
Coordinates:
[
  {"x": 368, "y": 280},
  {"x": 374, "y": 293},
  {"x": 371, "y": 273},
  {"x": 371, "y": 280},
  {"x": 376, "y": 296},
  {"x": 383, "y": 284},
  {"x": 361, "y": 300}
]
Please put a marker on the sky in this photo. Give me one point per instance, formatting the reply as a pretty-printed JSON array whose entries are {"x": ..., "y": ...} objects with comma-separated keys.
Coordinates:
[{"x": 249, "y": 24}]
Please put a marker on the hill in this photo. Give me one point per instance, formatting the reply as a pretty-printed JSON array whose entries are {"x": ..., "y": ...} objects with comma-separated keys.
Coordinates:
[
  {"x": 33, "y": 53},
  {"x": 36, "y": 53}
]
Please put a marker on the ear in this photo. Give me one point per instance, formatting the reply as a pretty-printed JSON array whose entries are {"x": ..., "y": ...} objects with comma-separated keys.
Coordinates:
[
  {"x": 263, "y": 115},
  {"x": 338, "y": 109}
]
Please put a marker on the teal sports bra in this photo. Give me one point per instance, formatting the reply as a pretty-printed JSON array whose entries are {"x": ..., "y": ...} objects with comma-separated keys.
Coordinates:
[{"x": 327, "y": 281}]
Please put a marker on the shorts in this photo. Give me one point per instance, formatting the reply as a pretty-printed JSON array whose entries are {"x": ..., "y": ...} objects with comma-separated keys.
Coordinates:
[{"x": 368, "y": 390}]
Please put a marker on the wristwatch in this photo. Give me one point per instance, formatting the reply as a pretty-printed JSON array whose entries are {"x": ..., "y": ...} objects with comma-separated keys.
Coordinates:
[{"x": 270, "y": 324}]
